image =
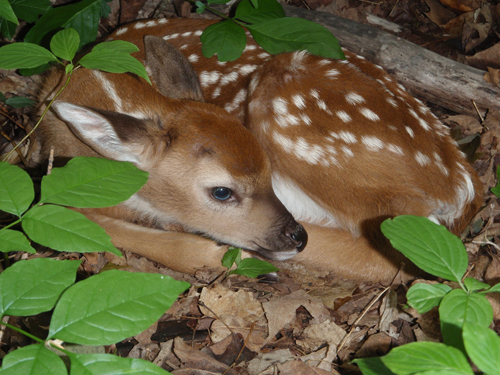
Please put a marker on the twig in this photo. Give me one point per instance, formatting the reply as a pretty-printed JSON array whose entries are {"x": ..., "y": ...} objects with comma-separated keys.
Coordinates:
[
  {"x": 367, "y": 308},
  {"x": 19, "y": 153},
  {"x": 11, "y": 119}
]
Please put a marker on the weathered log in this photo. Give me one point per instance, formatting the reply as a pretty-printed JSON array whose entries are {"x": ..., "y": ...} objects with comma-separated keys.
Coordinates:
[{"x": 425, "y": 74}]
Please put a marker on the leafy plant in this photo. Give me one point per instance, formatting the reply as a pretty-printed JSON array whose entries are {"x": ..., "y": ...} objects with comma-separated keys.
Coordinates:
[
  {"x": 249, "y": 267},
  {"x": 271, "y": 29},
  {"x": 101, "y": 310},
  {"x": 465, "y": 313}
]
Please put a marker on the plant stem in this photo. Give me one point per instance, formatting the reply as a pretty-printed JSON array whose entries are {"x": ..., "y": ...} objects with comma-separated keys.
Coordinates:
[
  {"x": 11, "y": 224},
  {"x": 222, "y": 15},
  {"x": 23, "y": 332},
  {"x": 43, "y": 115}
]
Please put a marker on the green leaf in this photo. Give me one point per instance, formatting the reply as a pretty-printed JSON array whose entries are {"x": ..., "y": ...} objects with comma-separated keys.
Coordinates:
[
  {"x": 24, "y": 55},
  {"x": 295, "y": 34},
  {"x": 92, "y": 182},
  {"x": 494, "y": 288},
  {"x": 496, "y": 190},
  {"x": 474, "y": 285},
  {"x": 232, "y": 255},
  {"x": 19, "y": 102},
  {"x": 12, "y": 240},
  {"x": 226, "y": 39},
  {"x": 373, "y": 366},
  {"x": 37, "y": 70},
  {"x": 2, "y": 97},
  {"x": 30, "y": 287},
  {"x": 30, "y": 10},
  {"x": 82, "y": 16},
  {"x": 65, "y": 44},
  {"x": 483, "y": 347},
  {"x": 7, "y": 28},
  {"x": 110, "y": 58},
  {"x": 33, "y": 360},
  {"x": 101, "y": 364},
  {"x": 7, "y": 12},
  {"x": 253, "y": 268},
  {"x": 430, "y": 246},
  {"x": 270, "y": 9},
  {"x": 457, "y": 308},
  {"x": 418, "y": 357},
  {"x": 65, "y": 230},
  {"x": 112, "y": 306},
  {"x": 424, "y": 297},
  {"x": 210, "y": 2},
  {"x": 16, "y": 189},
  {"x": 118, "y": 46}
]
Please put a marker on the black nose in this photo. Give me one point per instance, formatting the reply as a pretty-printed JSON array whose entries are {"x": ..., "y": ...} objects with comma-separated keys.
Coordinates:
[{"x": 298, "y": 236}]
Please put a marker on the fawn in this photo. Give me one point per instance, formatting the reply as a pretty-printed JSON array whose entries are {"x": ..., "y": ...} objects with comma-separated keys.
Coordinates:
[{"x": 342, "y": 144}]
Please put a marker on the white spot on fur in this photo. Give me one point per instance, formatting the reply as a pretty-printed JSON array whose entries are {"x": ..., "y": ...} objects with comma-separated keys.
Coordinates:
[
  {"x": 247, "y": 69},
  {"x": 344, "y": 116},
  {"x": 250, "y": 47},
  {"x": 123, "y": 30},
  {"x": 198, "y": 33},
  {"x": 410, "y": 131},
  {"x": 422, "y": 159},
  {"x": 109, "y": 87},
  {"x": 231, "y": 77},
  {"x": 172, "y": 36},
  {"x": 238, "y": 99},
  {"x": 347, "y": 137},
  {"x": 299, "y": 204},
  {"x": 372, "y": 143},
  {"x": 286, "y": 143},
  {"x": 263, "y": 55},
  {"x": 353, "y": 98},
  {"x": 392, "y": 102},
  {"x": 369, "y": 114},
  {"x": 216, "y": 92},
  {"x": 324, "y": 62},
  {"x": 183, "y": 47},
  {"x": 280, "y": 106},
  {"x": 188, "y": 33},
  {"x": 162, "y": 21},
  {"x": 139, "y": 25},
  {"x": 209, "y": 78},
  {"x": 299, "y": 101},
  {"x": 347, "y": 152},
  {"x": 314, "y": 93},
  {"x": 305, "y": 118},
  {"x": 395, "y": 149},
  {"x": 193, "y": 58},
  {"x": 332, "y": 73}
]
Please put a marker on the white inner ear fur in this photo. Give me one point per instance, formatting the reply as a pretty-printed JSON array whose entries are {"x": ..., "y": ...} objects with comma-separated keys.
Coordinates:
[{"x": 96, "y": 131}]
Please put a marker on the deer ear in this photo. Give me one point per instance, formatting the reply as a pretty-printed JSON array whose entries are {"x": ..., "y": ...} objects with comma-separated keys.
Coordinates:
[
  {"x": 111, "y": 134},
  {"x": 171, "y": 71}
]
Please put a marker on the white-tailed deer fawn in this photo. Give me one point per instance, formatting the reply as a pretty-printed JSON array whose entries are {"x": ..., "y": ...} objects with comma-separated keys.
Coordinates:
[{"x": 348, "y": 147}]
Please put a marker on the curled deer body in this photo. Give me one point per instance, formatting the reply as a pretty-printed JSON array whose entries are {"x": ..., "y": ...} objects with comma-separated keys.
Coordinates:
[{"x": 342, "y": 144}]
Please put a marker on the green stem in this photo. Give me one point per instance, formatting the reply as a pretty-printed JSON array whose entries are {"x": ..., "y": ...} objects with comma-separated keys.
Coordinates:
[
  {"x": 11, "y": 224},
  {"x": 22, "y": 331},
  {"x": 43, "y": 115}
]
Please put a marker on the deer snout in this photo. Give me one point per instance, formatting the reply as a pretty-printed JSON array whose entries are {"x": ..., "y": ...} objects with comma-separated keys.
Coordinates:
[{"x": 298, "y": 235}]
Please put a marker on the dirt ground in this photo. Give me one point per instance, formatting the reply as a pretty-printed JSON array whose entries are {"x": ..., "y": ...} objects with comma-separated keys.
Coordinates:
[{"x": 305, "y": 323}]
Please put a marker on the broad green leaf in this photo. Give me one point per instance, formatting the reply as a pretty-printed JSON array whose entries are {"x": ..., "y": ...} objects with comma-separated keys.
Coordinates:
[
  {"x": 7, "y": 12},
  {"x": 437, "y": 372},
  {"x": 65, "y": 44},
  {"x": 226, "y": 39},
  {"x": 496, "y": 190},
  {"x": 12, "y": 240},
  {"x": 16, "y": 189},
  {"x": 270, "y": 9},
  {"x": 373, "y": 366},
  {"x": 19, "y": 102},
  {"x": 217, "y": 1},
  {"x": 24, "y": 55},
  {"x": 109, "y": 60},
  {"x": 418, "y": 357},
  {"x": 92, "y": 182},
  {"x": 483, "y": 347},
  {"x": 118, "y": 46},
  {"x": 294, "y": 34},
  {"x": 30, "y": 10},
  {"x": 494, "y": 288},
  {"x": 233, "y": 255},
  {"x": 424, "y": 297},
  {"x": 474, "y": 285},
  {"x": 82, "y": 16},
  {"x": 7, "y": 28},
  {"x": 200, "y": 7},
  {"x": 37, "y": 70},
  {"x": 30, "y": 287},
  {"x": 251, "y": 267},
  {"x": 2, "y": 97},
  {"x": 112, "y": 306},
  {"x": 33, "y": 360},
  {"x": 65, "y": 230},
  {"x": 430, "y": 246},
  {"x": 457, "y": 308},
  {"x": 103, "y": 364}
]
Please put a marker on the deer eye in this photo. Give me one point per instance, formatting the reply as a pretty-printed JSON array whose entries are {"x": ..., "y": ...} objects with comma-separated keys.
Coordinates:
[{"x": 221, "y": 193}]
